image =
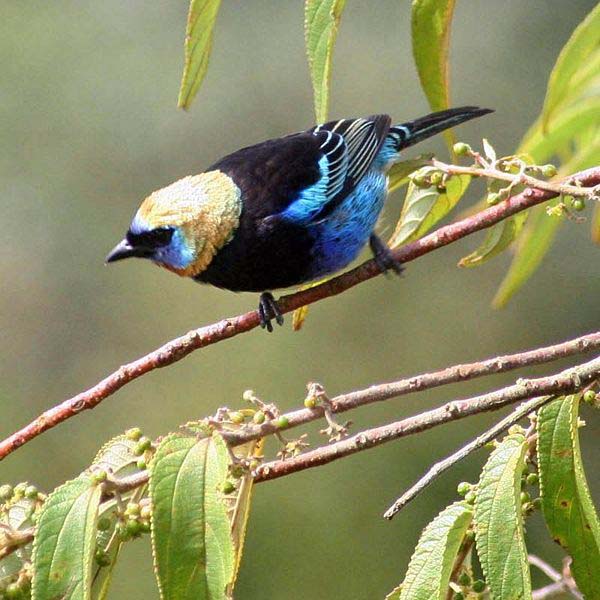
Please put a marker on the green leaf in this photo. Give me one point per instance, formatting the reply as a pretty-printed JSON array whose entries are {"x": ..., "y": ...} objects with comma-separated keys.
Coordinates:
[
  {"x": 497, "y": 239},
  {"x": 424, "y": 207},
  {"x": 321, "y": 22},
  {"x": 117, "y": 457},
  {"x": 193, "y": 548},
  {"x": 198, "y": 43},
  {"x": 535, "y": 241},
  {"x": 574, "y": 56},
  {"x": 398, "y": 174},
  {"x": 65, "y": 541},
  {"x": 565, "y": 127},
  {"x": 499, "y": 522},
  {"x": 566, "y": 501},
  {"x": 430, "y": 22},
  {"x": 430, "y": 567}
]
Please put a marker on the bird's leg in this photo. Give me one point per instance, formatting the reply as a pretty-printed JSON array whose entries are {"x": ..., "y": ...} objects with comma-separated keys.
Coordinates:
[
  {"x": 383, "y": 255},
  {"x": 268, "y": 309}
]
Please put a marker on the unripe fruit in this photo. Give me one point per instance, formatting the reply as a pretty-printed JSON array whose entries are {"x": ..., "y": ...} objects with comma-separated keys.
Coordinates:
[
  {"x": 104, "y": 524},
  {"x": 464, "y": 487},
  {"x": 493, "y": 198},
  {"x": 548, "y": 170},
  {"x": 420, "y": 180},
  {"x": 310, "y": 402},
  {"x": 6, "y": 492},
  {"x": 144, "y": 444},
  {"x": 470, "y": 497},
  {"x": 141, "y": 464},
  {"x": 259, "y": 417},
  {"x": 146, "y": 512},
  {"x": 459, "y": 596},
  {"x": 236, "y": 417},
  {"x": 479, "y": 586},
  {"x": 133, "y": 434},
  {"x": 464, "y": 579},
  {"x": 132, "y": 509},
  {"x": 282, "y": 421},
  {"x": 133, "y": 527},
  {"x": 31, "y": 492},
  {"x": 227, "y": 487},
  {"x": 436, "y": 178},
  {"x": 578, "y": 204},
  {"x": 461, "y": 149},
  {"x": 589, "y": 396},
  {"x": 102, "y": 559},
  {"x": 525, "y": 497},
  {"x": 532, "y": 479}
]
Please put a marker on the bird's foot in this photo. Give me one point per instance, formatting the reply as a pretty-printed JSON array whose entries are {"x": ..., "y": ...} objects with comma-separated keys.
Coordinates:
[
  {"x": 268, "y": 309},
  {"x": 384, "y": 256}
]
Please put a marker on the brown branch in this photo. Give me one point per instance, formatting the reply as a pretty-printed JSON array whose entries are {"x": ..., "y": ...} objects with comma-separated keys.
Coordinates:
[
  {"x": 425, "y": 381},
  {"x": 570, "y": 380},
  {"x": 227, "y": 328}
]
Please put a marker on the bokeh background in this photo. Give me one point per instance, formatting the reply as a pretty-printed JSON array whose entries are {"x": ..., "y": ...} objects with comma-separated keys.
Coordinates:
[{"x": 89, "y": 127}]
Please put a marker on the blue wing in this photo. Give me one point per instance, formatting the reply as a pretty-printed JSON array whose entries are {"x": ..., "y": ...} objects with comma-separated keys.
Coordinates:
[{"x": 347, "y": 150}]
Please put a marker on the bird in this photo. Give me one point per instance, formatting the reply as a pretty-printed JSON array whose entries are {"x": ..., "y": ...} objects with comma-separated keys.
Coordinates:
[{"x": 283, "y": 212}]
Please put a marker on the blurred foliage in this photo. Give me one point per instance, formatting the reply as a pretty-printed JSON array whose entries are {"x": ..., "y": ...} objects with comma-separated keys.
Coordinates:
[{"x": 79, "y": 142}]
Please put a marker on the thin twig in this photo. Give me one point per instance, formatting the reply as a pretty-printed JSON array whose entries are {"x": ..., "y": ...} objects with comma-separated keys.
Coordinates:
[
  {"x": 544, "y": 567},
  {"x": 438, "y": 468},
  {"x": 561, "y": 583},
  {"x": 570, "y": 380},
  {"x": 421, "y": 382},
  {"x": 227, "y": 328}
]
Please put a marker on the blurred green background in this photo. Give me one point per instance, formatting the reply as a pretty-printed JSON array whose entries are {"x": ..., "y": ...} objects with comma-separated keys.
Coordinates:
[{"x": 89, "y": 128}]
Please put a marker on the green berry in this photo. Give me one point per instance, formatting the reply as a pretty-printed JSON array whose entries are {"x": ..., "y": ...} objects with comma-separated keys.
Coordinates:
[
  {"x": 144, "y": 444},
  {"x": 259, "y": 417},
  {"x": 470, "y": 535},
  {"x": 133, "y": 434},
  {"x": 146, "y": 512},
  {"x": 464, "y": 579},
  {"x": 537, "y": 503},
  {"x": 470, "y": 497},
  {"x": 310, "y": 402},
  {"x": 227, "y": 487},
  {"x": 254, "y": 464},
  {"x": 122, "y": 532},
  {"x": 548, "y": 170},
  {"x": 282, "y": 421},
  {"x": 6, "y": 492},
  {"x": 420, "y": 180},
  {"x": 464, "y": 487},
  {"x": 19, "y": 490},
  {"x": 141, "y": 464},
  {"x": 459, "y": 596},
  {"x": 436, "y": 177},
  {"x": 578, "y": 204},
  {"x": 532, "y": 479},
  {"x": 479, "y": 586},
  {"x": 101, "y": 558},
  {"x": 133, "y": 527},
  {"x": 13, "y": 591},
  {"x": 145, "y": 526},
  {"x": 589, "y": 396},
  {"x": 104, "y": 524},
  {"x": 31, "y": 492},
  {"x": 525, "y": 497},
  {"x": 132, "y": 509},
  {"x": 99, "y": 476},
  {"x": 236, "y": 417},
  {"x": 461, "y": 149}
]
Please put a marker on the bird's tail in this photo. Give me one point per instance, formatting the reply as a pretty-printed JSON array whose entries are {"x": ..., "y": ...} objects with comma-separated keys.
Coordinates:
[{"x": 412, "y": 132}]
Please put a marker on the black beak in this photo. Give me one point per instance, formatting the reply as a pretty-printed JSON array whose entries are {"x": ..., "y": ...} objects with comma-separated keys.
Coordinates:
[{"x": 125, "y": 250}]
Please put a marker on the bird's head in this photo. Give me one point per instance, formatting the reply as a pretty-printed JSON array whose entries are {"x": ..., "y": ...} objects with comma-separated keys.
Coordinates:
[{"x": 182, "y": 226}]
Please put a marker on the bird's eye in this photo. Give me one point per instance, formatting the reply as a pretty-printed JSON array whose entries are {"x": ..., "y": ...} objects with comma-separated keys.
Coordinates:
[{"x": 154, "y": 238}]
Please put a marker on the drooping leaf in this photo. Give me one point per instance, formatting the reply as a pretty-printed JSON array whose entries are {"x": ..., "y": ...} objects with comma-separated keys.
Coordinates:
[
  {"x": 321, "y": 22},
  {"x": 430, "y": 21},
  {"x": 430, "y": 567},
  {"x": 499, "y": 522},
  {"x": 398, "y": 174},
  {"x": 198, "y": 43},
  {"x": 65, "y": 541},
  {"x": 582, "y": 44},
  {"x": 497, "y": 239},
  {"x": 565, "y": 127},
  {"x": 535, "y": 241},
  {"x": 566, "y": 502},
  {"x": 424, "y": 207},
  {"x": 192, "y": 544},
  {"x": 539, "y": 233}
]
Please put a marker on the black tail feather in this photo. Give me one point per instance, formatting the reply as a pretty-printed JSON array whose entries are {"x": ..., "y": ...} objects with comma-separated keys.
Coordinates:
[{"x": 412, "y": 132}]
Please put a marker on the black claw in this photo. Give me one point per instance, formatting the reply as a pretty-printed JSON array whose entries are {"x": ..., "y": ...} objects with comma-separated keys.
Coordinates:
[
  {"x": 268, "y": 309},
  {"x": 384, "y": 257}
]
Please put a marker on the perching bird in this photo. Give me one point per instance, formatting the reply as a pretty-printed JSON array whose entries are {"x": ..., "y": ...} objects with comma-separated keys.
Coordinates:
[{"x": 283, "y": 212}]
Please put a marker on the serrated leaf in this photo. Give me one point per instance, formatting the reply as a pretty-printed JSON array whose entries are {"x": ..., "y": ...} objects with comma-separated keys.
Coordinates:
[
  {"x": 430, "y": 25},
  {"x": 535, "y": 241},
  {"x": 566, "y": 502},
  {"x": 198, "y": 43},
  {"x": 499, "y": 522},
  {"x": 193, "y": 548},
  {"x": 321, "y": 22},
  {"x": 398, "y": 174},
  {"x": 65, "y": 541},
  {"x": 497, "y": 239},
  {"x": 430, "y": 567},
  {"x": 424, "y": 207},
  {"x": 117, "y": 457},
  {"x": 584, "y": 41},
  {"x": 565, "y": 127}
]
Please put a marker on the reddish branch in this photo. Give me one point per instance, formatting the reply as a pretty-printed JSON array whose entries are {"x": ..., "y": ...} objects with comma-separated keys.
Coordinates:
[
  {"x": 205, "y": 336},
  {"x": 568, "y": 381}
]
